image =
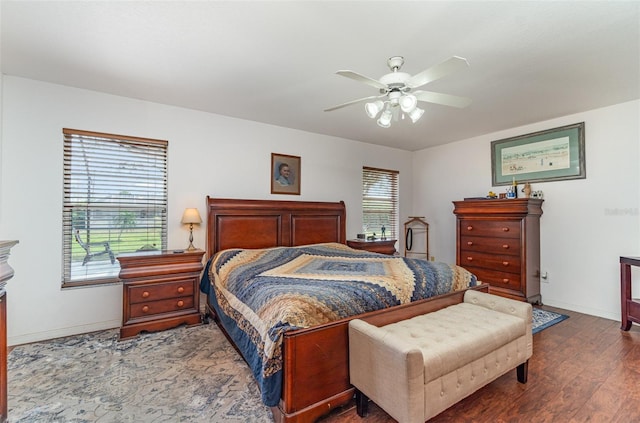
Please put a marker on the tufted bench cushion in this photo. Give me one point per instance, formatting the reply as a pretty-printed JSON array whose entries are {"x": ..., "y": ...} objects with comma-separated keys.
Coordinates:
[
  {"x": 416, "y": 368},
  {"x": 456, "y": 335}
]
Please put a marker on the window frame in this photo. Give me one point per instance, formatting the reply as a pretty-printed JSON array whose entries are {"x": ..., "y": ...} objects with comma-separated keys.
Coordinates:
[
  {"x": 390, "y": 195},
  {"x": 134, "y": 168}
]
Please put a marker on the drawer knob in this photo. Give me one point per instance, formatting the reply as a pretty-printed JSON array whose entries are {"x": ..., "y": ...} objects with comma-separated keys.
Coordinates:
[
  {"x": 180, "y": 303},
  {"x": 145, "y": 309},
  {"x": 505, "y": 281},
  {"x": 469, "y": 242},
  {"x": 505, "y": 229},
  {"x": 505, "y": 246},
  {"x": 180, "y": 290},
  {"x": 469, "y": 258},
  {"x": 145, "y": 294},
  {"x": 505, "y": 263},
  {"x": 469, "y": 227}
]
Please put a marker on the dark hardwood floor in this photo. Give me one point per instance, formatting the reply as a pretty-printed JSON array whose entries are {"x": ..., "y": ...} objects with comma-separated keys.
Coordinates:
[{"x": 584, "y": 369}]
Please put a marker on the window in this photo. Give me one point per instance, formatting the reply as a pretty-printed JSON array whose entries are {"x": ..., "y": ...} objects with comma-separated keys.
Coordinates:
[
  {"x": 380, "y": 202},
  {"x": 115, "y": 201}
]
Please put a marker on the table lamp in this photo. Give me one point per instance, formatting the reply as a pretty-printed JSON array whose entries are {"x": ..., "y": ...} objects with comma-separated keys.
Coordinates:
[{"x": 191, "y": 216}]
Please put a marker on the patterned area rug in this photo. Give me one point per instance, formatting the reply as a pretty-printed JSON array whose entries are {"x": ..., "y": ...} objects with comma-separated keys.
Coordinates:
[
  {"x": 184, "y": 374},
  {"x": 542, "y": 319}
]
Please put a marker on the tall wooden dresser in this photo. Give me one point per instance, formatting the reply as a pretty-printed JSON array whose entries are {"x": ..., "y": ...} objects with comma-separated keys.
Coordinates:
[{"x": 499, "y": 241}]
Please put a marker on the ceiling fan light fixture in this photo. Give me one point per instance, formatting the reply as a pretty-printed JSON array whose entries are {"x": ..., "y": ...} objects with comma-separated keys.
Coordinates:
[
  {"x": 408, "y": 103},
  {"x": 397, "y": 97},
  {"x": 373, "y": 108},
  {"x": 385, "y": 118},
  {"x": 416, "y": 114}
]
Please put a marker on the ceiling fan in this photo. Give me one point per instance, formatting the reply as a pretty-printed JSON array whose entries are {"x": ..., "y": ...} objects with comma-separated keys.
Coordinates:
[{"x": 397, "y": 97}]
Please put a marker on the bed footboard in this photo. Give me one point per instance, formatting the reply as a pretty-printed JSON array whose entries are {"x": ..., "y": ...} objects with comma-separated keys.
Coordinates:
[{"x": 316, "y": 360}]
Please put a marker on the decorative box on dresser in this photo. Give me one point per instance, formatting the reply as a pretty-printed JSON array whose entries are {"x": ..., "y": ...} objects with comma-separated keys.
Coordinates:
[
  {"x": 160, "y": 290},
  {"x": 499, "y": 241},
  {"x": 383, "y": 246}
]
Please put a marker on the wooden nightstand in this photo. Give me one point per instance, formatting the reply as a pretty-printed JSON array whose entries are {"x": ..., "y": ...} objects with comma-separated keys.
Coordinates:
[
  {"x": 384, "y": 246},
  {"x": 160, "y": 290}
]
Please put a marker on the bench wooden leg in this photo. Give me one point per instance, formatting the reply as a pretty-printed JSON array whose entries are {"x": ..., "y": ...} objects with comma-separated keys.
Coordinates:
[
  {"x": 522, "y": 371},
  {"x": 362, "y": 403}
]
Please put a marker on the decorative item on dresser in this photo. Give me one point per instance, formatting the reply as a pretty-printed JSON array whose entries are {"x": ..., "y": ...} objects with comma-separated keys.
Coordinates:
[
  {"x": 384, "y": 246},
  {"x": 499, "y": 241},
  {"x": 6, "y": 273},
  {"x": 160, "y": 290}
]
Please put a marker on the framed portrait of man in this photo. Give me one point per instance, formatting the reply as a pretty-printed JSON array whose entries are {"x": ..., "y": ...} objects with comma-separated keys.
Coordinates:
[{"x": 285, "y": 174}]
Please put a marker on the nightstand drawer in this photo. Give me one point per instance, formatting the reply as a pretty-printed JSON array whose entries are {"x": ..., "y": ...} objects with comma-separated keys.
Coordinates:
[
  {"x": 151, "y": 308},
  {"x": 490, "y": 228},
  {"x": 161, "y": 291}
]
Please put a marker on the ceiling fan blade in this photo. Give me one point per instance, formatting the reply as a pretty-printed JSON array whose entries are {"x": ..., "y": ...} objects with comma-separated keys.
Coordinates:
[
  {"x": 437, "y": 71},
  {"x": 361, "y": 78},
  {"x": 444, "y": 99},
  {"x": 349, "y": 103}
]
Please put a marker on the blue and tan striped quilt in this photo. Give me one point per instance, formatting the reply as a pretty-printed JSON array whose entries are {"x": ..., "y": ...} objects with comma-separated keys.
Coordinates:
[{"x": 260, "y": 294}]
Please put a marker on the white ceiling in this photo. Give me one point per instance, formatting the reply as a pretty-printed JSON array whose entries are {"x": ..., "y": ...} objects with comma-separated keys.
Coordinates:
[{"x": 275, "y": 61}]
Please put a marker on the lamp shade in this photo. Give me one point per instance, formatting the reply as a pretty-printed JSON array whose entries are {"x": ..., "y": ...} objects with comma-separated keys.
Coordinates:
[
  {"x": 374, "y": 108},
  {"x": 191, "y": 216},
  {"x": 408, "y": 103},
  {"x": 385, "y": 119},
  {"x": 416, "y": 114}
]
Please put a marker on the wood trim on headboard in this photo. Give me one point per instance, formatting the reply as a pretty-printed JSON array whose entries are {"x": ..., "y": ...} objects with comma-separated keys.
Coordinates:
[{"x": 233, "y": 223}]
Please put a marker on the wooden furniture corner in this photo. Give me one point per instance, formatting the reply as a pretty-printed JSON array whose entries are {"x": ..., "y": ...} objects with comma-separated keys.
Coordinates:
[
  {"x": 160, "y": 290},
  {"x": 630, "y": 308},
  {"x": 383, "y": 246},
  {"x": 6, "y": 273}
]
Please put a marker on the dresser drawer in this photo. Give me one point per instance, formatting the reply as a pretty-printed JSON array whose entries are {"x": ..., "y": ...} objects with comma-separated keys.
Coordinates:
[
  {"x": 161, "y": 291},
  {"x": 495, "y": 278},
  {"x": 501, "y": 263},
  {"x": 490, "y": 245},
  {"x": 490, "y": 228},
  {"x": 151, "y": 308}
]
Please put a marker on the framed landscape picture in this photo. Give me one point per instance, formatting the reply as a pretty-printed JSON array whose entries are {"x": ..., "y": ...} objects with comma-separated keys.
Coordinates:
[
  {"x": 285, "y": 174},
  {"x": 552, "y": 155}
]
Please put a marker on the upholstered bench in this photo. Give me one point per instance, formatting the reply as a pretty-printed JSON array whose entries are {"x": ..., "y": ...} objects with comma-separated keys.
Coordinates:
[{"x": 416, "y": 368}]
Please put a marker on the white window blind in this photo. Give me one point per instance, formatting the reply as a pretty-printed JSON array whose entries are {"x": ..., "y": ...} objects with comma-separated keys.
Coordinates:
[
  {"x": 380, "y": 201},
  {"x": 115, "y": 201}
]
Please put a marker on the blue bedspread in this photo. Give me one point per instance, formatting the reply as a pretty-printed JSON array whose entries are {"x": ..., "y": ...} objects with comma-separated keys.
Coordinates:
[{"x": 258, "y": 295}]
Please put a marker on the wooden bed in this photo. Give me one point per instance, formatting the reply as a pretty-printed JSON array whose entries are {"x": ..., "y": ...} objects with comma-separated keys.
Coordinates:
[{"x": 315, "y": 367}]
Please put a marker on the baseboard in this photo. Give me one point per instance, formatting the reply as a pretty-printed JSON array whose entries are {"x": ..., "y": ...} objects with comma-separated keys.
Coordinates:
[
  {"x": 581, "y": 309},
  {"x": 59, "y": 333}
]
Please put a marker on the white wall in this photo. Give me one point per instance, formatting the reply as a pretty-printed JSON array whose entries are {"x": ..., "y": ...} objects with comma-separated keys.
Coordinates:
[
  {"x": 587, "y": 224},
  {"x": 208, "y": 155}
]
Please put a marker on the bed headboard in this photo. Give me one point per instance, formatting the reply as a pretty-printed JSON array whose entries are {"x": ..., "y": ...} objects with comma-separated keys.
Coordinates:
[{"x": 270, "y": 223}]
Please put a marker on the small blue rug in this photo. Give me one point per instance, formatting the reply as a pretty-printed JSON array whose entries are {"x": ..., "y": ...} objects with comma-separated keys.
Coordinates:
[{"x": 543, "y": 319}]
